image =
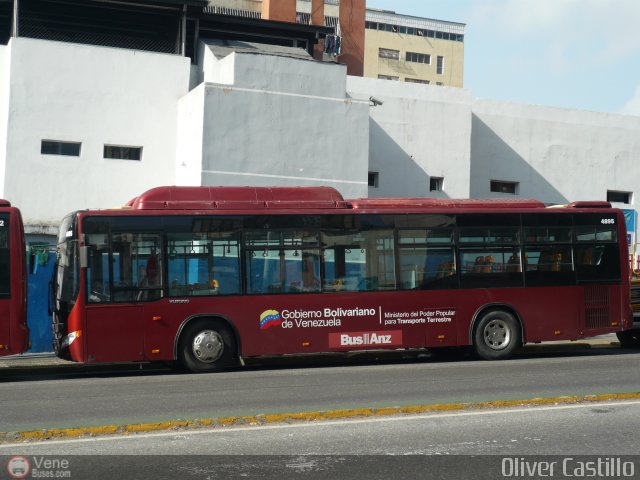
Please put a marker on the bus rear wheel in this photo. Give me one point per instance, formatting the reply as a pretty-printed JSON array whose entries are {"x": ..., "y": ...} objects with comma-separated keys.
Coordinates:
[
  {"x": 497, "y": 335},
  {"x": 629, "y": 338},
  {"x": 206, "y": 347}
]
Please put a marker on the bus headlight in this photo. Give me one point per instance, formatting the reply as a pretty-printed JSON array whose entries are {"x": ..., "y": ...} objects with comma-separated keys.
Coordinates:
[{"x": 69, "y": 339}]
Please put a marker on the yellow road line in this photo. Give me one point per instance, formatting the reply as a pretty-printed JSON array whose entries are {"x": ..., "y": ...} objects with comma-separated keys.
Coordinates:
[{"x": 61, "y": 433}]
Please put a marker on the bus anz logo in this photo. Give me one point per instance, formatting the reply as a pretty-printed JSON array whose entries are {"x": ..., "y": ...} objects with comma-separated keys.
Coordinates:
[
  {"x": 347, "y": 340},
  {"x": 270, "y": 318}
]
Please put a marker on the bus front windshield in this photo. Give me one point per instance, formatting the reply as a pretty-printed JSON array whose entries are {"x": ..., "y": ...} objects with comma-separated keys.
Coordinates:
[{"x": 67, "y": 271}]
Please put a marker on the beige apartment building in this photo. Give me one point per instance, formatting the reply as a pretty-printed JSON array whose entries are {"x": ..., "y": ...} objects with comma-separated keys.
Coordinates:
[
  {"x": 397, "y": 47},
  {"x": 413, "y": 49}
]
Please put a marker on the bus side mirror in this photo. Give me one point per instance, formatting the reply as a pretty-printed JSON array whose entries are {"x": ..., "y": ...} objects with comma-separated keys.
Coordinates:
[{"x": 84, "y": 257}]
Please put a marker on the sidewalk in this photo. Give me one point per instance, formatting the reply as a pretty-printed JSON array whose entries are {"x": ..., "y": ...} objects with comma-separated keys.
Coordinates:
[{"x": 31, "y": 361}]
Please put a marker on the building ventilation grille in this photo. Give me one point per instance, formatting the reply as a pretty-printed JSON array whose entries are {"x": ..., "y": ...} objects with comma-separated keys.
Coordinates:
[
  {"x": 103, "y": 24},
  {"x": 234, "y": 12}
]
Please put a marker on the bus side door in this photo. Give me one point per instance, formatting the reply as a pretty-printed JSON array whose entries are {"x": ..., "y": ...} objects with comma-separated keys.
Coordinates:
[
  {"x": 114, "y": 332},
  {"x": 124, "y": 268},
  {"x": 5, "y": 286}
]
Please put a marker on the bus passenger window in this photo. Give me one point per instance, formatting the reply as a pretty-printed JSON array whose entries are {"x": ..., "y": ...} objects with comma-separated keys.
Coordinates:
[
  {"x": 136, "y": 260},
  {"x": 358, "y": 260},
  {"x": 204, "y": 263},
  {"x": 598, "y": 262},
  {"x": 490, "y": 267},
  {"x": 549, "y": 265}
]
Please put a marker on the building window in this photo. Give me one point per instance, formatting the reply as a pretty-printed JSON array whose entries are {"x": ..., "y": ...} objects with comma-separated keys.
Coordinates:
[
  {"x": 420, "y": 32},
  {"x": 440, "y": 65},
  {"x": 418, "y": 58},
  {"x": 417, "y": 80},
  {"x": 119, "y": 152},
  {"x": 499, "y": 186},
  {"x": 388, "y": 53},
  {"x": 54, "y": 147},
  {"x": 388, "y": 77},
  {"x": 619, "y": 197},
  {"x": 435, "y": 184},
  {"x": 440, "y": 84},
  {"x": 373, "y": 179}
]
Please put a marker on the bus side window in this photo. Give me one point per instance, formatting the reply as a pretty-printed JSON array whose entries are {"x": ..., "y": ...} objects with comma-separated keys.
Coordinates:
[
  {"x": 98, "y": 279},
  {"x": 598, "y": 262},
  {"x": 549, "y": 265}
]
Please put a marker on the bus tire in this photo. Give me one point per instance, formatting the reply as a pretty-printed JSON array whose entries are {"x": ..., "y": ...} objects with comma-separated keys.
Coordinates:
[
  {"x": 206, "y": 346},
  {"x": 496, "y": 335},
  {"x": 629, "y": 338}
]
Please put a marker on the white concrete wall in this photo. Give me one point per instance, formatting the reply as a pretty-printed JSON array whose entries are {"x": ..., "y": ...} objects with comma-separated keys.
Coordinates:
[
  {"x": 265, "y": 138},
  {"x": 4, "y": 112},
  {"x": 96, "y": 96},
  {"x": 216, "y": 70},
  {"x": 274, "y": 73},
  {"x": 556, "y": 155},
  {"x": 287, "y": 75},
  {"x": 283, "y": 121},
  {"x": 418, "y": 132},
  {"x": 190, "y": 146}
]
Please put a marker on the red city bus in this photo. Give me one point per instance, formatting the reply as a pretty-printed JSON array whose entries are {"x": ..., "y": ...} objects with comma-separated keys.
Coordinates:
[
  {"x": 211, "y": 275},
  {"x": 14, "y": 334}
]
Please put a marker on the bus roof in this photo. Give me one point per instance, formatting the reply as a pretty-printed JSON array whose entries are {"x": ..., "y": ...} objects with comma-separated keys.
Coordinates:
[
  {"x": 4, "y": 203},
  {"x": 304, "y": 198},
  {"x": 237, "y": 198},
  {"x": 443, "y": 203}
]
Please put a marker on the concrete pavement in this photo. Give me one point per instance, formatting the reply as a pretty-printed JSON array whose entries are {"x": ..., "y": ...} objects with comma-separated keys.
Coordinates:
[{"x": 48, "y": 362}]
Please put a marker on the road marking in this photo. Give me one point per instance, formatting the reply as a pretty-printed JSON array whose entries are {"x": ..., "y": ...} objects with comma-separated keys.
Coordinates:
[
  {"x": 303, "y": 419},
  {"x": 234, "y": 429}
]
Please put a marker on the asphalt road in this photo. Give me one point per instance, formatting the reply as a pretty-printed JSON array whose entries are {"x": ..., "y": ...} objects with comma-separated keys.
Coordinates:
[
  {"x": 440, "y": 444},
  {"x": 133, "y": 397}
]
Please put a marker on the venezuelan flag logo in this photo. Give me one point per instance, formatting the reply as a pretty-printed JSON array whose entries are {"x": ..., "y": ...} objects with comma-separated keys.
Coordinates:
[{"x": 270, "y": 318}]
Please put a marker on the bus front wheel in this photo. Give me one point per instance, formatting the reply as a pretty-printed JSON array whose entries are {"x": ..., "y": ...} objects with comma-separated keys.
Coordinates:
[
  {"x": 497, "y": 335},
  {"x": 206, "y": 347}
]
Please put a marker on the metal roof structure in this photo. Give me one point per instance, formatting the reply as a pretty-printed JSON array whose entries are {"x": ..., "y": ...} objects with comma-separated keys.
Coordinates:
[
  {"x": 222, "y": 48},
  {"x": 165, "y": 26}
]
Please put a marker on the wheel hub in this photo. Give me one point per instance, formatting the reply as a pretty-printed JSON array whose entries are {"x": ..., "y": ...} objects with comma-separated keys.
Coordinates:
[
  {"x": 208, "y": 346},
  {"x": 497, "y": 335}
]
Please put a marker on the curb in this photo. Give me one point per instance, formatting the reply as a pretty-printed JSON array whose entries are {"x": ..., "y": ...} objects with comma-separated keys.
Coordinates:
[{"x": 289, "y": 418}]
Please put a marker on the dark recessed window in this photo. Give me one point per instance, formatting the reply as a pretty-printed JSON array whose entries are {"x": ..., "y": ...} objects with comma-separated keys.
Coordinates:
[
  {"x": 435, "y": 184},
  {"x": 504, "y": 187},
  {"x": 416, "y": 80},
  {"x": 53, "y": 147},
  {"x": 122, "y": 153},
  {"x": 373, "y": 179},
  {"x": 418, "y": 57},
  {"x": 389, "y": 53},
  {"x": 619, "y": 197},
  {"x": 440, "y": 66}
]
